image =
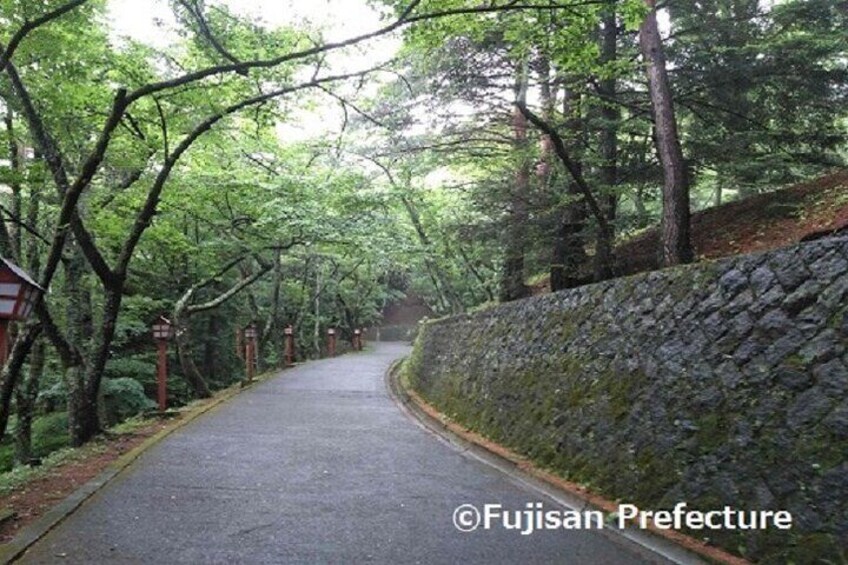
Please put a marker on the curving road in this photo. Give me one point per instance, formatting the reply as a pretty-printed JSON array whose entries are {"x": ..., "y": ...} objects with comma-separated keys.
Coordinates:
[{"x": 318, "y": 465}]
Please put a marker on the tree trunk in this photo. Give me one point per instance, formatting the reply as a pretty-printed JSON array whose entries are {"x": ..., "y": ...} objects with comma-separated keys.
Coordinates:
[
  {"x": 187, "y": 364},
  {"x": 83, "y": 421},
  {"x": 512, "y": 281},
  {"x": 87, "y": 420},
  {"x": 11, "y": 371},
  {"x": 547, "y": 180},
  {"x": 210, "y": 347},
  {"x": 570, "y": 245},
  {"x": 316, "y": 327},
  {"x": 569, "y": 250},
  {"x": 15, "y": 184},
  {"x": 183, "y": 310},
  {"x": 81, "y": 424},
  {"x": 444, "y": 288},
  {"x": 676, "y": 245},
  {"x": 273, "y": 323},
  {"x": 490, "y": 295},
  {"x": 607, "y": 88},
  {"x": 642, "y": 218},
  {"x": 180, "y": 319},
  {"x": 25, "y": 397}
]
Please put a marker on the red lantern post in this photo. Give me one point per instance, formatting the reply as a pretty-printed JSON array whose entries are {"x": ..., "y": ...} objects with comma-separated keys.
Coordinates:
[
  {"x": 289, "y": 335},
  {"x": 18, "y": 295},
  {"x": 162, "y": 332},
  {"x": 250, "y": 350},
  {"x": 331, "y": 342}
]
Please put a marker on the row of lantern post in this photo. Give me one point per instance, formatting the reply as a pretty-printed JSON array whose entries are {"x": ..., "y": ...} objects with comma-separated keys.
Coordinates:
[
  {"x": 163, "y": 331},
  {"x": 331, "y": 341},
  {"x": 19, "y": 294}
]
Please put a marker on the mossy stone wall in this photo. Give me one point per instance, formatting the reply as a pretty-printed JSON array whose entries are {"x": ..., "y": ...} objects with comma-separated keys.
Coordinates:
[{"x": 721, "y": 383}]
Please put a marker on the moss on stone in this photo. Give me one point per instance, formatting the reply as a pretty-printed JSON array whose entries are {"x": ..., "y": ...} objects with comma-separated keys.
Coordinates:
[
  {"x": 795, "y": 361},
  {"x": 821, "y": 450},
  {"x": 712, "y": 431},
  {"x": 812, "y": 549},
  {"x": 656, "y": 475},
  {"x": 621, "y": 391}
]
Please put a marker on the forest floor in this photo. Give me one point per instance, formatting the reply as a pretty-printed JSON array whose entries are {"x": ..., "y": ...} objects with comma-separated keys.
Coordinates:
[
  {"x": 811, "y": 209},
  {"x": 26, "y": 493},
  {"x": 762, "y": 222}
]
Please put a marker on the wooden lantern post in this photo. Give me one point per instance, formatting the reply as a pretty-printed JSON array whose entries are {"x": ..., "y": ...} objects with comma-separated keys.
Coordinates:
[
  {"x": 250, "y": 350},
  {"x": 163, "y": 330},
  {"x": 331, "y": 342},
  {"x": 289, "y": 335},
  {"x": 18, "y": 295}
]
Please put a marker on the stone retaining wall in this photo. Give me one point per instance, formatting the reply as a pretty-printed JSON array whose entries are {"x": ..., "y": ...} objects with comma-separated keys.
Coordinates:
[{"x": 721, "y": 383}]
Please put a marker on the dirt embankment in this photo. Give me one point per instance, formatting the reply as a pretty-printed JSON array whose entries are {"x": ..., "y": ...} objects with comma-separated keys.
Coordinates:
[{"x": 766, "y": 221}]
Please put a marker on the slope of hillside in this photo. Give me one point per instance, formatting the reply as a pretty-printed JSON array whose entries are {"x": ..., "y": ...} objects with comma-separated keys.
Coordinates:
[
  {"x": 766, "y": 221},
  {"x": 801, "y": 212}
]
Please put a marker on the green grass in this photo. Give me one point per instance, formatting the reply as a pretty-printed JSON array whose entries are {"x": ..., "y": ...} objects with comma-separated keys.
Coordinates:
[
  {"x": 10, "y": 480},
  {"x": 537, "y": 279}
]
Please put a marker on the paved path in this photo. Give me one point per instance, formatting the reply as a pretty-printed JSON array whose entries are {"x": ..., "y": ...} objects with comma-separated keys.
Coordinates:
[{"x": 316, "y": 466}]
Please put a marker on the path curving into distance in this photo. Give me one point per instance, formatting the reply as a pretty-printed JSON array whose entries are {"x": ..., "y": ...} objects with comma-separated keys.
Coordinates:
[{"x": 317, "y": 465}]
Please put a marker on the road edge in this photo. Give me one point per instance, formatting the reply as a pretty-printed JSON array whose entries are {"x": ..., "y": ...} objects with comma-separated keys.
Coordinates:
[
  {"x": 33, "y": 532},
  {"x": 674, "y": 546}
]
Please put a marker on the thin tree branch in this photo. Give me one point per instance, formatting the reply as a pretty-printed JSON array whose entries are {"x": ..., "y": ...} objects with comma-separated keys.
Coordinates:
[
  {"x": 18, "y": 221},
  {"x": 571, "y": 166},
  {"x": 206, "y": 31},
  {"x": 52, "y": 155},
  {"x": 31, "y": 25},
  {"x": 235, "y": 289},
  {"x": 147, "y": 212},
  {"x": 404, "y": 19},
  {"x": 345, "y": 103},
  {"x": 163, "y": 124}
]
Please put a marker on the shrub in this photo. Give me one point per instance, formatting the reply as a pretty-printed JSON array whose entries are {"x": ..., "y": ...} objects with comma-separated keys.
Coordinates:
[
  {"x": 53, "y": 398},
  {"x": 124, "y": 398}
]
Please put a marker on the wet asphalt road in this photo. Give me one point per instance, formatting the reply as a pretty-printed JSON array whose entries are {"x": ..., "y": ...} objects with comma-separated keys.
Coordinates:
[{"x": 318, "y": 465}]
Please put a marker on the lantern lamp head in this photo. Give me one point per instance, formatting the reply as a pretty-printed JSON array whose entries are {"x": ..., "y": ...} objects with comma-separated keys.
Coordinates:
[
  {"x": 163, "y": 329},
  {"x": 18, "y": 292},
  {"x": 331, "y": 331},
  {"x": 288, "y": 330},
  {"x": 357, "y": 331},
  {"x": 250, "y": 331}
]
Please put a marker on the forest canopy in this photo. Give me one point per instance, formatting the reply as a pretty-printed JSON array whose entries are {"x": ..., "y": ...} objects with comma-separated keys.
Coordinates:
[{"x": 501, "y": 144}]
